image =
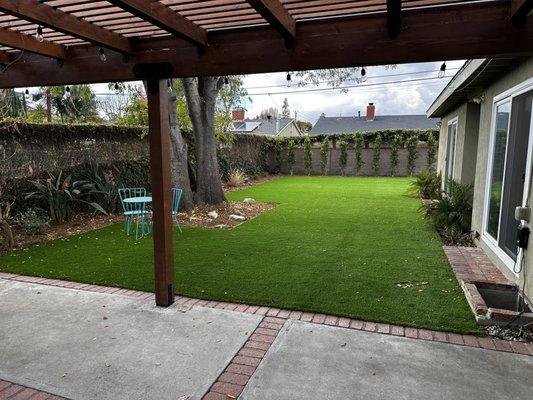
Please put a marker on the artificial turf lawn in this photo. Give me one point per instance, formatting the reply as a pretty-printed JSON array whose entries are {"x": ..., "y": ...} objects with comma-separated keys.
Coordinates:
[{"x": 355, "y": 247}]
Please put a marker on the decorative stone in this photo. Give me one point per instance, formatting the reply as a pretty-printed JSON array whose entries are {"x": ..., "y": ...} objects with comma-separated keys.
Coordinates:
[
  {"x": 248, "y": 200},
  {"x": 212, "y": 214},
  {"x": 237, "y": 217}
]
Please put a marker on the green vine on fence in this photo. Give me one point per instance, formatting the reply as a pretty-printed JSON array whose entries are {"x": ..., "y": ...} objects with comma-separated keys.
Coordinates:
[
  {"x": 291, "y": 158},
  {"x": 376, "y": 154},
  {"x": 432, "y": 150},
  {"x": 412, "y": 154},
  {"x": 324, "y": 151},
  {"x": 358, "y": 149},
  {"x": 308, "y": 155},
  {"x": 394, "y": 148},
  {"x": 278, "y": 151},
  {"x": 343, "y": 158}
]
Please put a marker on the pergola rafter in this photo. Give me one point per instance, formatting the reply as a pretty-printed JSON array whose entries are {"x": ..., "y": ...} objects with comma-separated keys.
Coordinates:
[
  {"x": 277, "y": 16},
  {"x": 161, "y": 39},
  {"x": 42, "y": 14},
  {"x": 165, "y": 18},
  {"x": 29, "y": 43}
]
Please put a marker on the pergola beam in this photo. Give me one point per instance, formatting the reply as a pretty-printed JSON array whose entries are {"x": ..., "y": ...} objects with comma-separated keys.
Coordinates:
[
  {"x": 4, "y": 57},
  {"x": 165, "y": 18},
  {"x": 394, "y": 11},
  {"x": 42, "y": 14},
  {"x": 475, "y": 30},
  {"x": 29, "y": 43},
  {"x": 277, "y": 16},
  {"x": 520, "y": 9}
]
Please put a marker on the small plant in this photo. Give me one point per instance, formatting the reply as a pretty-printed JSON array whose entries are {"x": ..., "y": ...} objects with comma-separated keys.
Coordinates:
[
  {"x": 396, "y": 142},
  {"x": 376, "y": 154},
  {"x": 343, "y": 158},
  {"x": 432, "y": 150},
  {"x": 358, "y": 149},
  {"x": 34, "y": 221},
  {"x": 106, "y": 192},
  {"x": 427, "y": 184},
  {"x": 451, "y": 213},
  {"x": 61, "y": 195},
  {"x": 308, "y": 155},
  {"x": 236, "y": 178},
  {"x": 324, "y": 151},
  {"x": 291, "y": 158},
  {"x": 412, "y": 153}
]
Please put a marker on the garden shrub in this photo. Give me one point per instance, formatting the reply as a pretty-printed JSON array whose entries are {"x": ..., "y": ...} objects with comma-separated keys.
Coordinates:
[
  {"x": 308, "y": 155},
  {"x": 291, "y": 158},
  {"x": 236, "y": 178},
  {"x": 427, "y": 184},
  {"x": 394, "y": 147},
  {"x": 34, "y": 221},
  {"x": 412, "y": 154},
  {"x": 343, "y": 158},
  {"x": 358, "y": 150},
  {"x": 432, "y": 150},
  {"x": 324, "y": 152},
  {"x": 376, "y": 154},
  {"x": 279, "y": 146}
]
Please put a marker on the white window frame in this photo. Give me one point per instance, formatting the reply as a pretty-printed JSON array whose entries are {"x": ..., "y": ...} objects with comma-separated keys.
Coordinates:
[
  {"x": 454, "y": 120},
  {"x": 502, "y": 98}
]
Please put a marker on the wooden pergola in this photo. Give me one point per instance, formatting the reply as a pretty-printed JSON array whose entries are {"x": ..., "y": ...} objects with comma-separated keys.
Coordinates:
[{"x": 61, "y": 42}]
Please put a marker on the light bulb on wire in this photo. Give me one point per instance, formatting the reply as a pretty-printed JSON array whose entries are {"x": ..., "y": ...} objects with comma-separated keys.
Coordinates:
[
  {"x": 101, "y": 52},
  {"x": 363, "y": 75},
  {"x": 442, "y": 71},
  {"x": 39, "y": 34},
  {"x": 289, "y": 79}
]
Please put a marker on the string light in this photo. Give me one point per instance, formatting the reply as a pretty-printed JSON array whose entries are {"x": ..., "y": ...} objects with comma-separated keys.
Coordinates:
[
  {"x": 442, "y": 71},
  {"x": 39, "y": 34},
  {"x": 289, "y": 79},
  {"x": 103, "y": 57},
  {"x": 363, "y": 75}
]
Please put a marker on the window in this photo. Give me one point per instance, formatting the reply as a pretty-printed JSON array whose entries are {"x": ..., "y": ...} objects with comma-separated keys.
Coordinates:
[
  {"x": 450, "y": 151},
  {"x": 509, "y": 170}
]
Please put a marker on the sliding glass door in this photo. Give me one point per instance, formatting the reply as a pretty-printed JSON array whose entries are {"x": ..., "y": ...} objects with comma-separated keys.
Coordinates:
[{"x": 508, "y": 169}]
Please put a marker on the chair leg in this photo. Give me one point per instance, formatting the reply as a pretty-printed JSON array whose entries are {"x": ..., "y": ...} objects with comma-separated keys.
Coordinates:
[{"x": 127, "y": 225}]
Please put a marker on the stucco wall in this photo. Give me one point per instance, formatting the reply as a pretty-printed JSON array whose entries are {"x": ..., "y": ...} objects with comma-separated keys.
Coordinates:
[
  {"x": 289, "y": 131},
  {"x": 521, "y": 73}
]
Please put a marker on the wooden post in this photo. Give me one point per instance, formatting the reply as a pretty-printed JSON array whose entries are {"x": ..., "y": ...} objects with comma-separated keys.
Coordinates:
[{"x": 159, "y": 136}]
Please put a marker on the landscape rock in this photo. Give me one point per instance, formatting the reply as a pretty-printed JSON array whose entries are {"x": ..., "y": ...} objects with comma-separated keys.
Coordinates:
[
  {"x": 212, "y": 214},
  {"x": 248, "y": 200},
  {"x": 237, "y": 217}
]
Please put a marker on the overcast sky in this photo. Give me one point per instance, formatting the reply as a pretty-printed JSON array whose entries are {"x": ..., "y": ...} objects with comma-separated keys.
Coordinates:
[{"x": 389, "y": 99}]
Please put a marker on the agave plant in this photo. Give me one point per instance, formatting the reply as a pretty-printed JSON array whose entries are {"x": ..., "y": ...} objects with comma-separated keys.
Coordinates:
[
  {"x": 105, "y": 193},
  {"x": 61, "y": 195}
]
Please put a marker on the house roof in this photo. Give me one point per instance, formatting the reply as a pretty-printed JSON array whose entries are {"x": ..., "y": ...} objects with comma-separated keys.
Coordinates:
[
  {"x": 269, "y": 127},
  {"x": 468, "y": 83},
  {"x": 336, "y": 125}
]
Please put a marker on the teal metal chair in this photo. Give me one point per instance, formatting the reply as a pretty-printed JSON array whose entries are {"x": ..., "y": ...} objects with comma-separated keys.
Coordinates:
[
  {"x": 132, "y": 211},
  {"x": 176, "y": 198}
]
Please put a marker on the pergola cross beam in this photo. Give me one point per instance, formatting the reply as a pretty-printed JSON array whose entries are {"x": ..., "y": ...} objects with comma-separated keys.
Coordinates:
[
  {"x": 24, "y": 42},
  {"x": 394, "y": 18},
  {"x": 165, "y": 18},
  {"x": 42, "y": 14},
  {"x": 520, "y": 9},
  {"x": 277, "y": 16}
]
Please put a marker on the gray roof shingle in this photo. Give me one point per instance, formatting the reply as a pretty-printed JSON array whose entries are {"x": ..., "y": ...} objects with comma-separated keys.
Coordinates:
[
  {"x": 337, "y": 125},
  {"x": 261, "y": 126}
]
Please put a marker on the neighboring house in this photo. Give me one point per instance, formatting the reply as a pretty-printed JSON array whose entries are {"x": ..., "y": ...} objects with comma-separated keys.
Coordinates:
[
  {"x": 486, "y": 139},
  {"x": 284, "y": 127},
  {"x": 371, "y": 123}
]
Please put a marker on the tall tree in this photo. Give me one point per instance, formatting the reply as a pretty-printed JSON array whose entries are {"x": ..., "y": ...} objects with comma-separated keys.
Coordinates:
[
  {"x": 12, "y": 104},
  {"x": 285, "y": 111},
  {"x": 201, "y": 94},
  {"x": 74, "y": 104}
]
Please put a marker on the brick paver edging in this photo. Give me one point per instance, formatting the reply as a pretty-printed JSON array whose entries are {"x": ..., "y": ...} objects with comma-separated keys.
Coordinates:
[
  {"x": 13, "y": 391},
  {"x": 232, "y": 381},
  {"x": 487, "y": 343}
]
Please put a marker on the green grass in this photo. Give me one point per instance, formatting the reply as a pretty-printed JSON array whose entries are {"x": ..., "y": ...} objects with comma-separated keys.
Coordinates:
[{"x": 333, "y": 245}]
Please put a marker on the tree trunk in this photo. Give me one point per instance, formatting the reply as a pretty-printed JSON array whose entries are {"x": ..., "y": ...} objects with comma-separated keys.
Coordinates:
[
  {"x": 10, "y": 242},
  {"x": 201, "y": 94},
  {"x": 179, "y": 169}
]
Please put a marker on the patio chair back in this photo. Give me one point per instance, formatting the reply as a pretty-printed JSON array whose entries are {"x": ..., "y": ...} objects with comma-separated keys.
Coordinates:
[
  {"x": 124, "y": 193},
  {"x": 176, "y": 198}
]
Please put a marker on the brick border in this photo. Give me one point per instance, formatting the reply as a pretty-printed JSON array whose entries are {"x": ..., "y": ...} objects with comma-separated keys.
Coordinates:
[
  {"x": 231, "y": 382},
  {"x": 12, "y": 391},
  {"x": 487, "y": 342}
]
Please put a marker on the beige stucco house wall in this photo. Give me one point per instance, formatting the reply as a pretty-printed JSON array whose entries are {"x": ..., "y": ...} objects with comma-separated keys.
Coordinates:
[
  {"x": 472, "y": 152},
  {"x": 291, "y": 130}
]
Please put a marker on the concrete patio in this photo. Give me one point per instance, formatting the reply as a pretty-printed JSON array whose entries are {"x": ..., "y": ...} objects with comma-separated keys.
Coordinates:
[{"x": 85, "y": 345}]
